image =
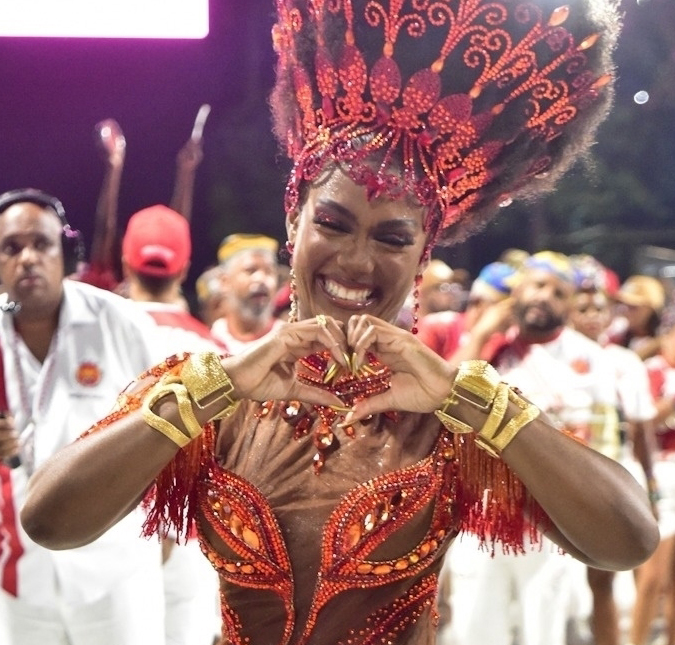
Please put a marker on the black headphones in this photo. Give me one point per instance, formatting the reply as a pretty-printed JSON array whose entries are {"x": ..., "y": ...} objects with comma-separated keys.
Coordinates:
[{"x": 71, "y": 239}]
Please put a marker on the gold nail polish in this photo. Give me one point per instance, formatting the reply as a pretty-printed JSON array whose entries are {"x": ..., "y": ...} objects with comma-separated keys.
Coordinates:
[
  {"x": 352, "y": 363},
  {"x": 331, "y": 373}
]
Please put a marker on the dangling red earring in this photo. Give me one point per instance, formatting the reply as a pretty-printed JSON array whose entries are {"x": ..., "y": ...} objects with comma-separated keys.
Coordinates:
[
  {"x": 289, "y": 249},
  {"x": 416, "y": 289},
  {"x": 416, "y": 302}
]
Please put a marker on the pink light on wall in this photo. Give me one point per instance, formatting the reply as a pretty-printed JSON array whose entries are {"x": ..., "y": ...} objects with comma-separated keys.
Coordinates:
[{"x": 105, "y": 18}]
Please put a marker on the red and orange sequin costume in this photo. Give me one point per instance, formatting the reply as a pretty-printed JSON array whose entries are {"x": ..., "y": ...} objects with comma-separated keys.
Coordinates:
[{"x": 347, "y": 556}]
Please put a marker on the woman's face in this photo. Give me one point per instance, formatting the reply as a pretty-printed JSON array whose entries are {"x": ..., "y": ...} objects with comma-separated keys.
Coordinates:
[{"x": 353, "y": 255}]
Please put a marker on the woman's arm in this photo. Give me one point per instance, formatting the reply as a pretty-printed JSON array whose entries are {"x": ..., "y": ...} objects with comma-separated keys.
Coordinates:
[
  {"x": 88, "y": 486},
  {"x": 599, "y": 512}
]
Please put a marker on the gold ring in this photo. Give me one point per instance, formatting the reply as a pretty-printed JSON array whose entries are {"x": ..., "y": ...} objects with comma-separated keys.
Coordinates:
[{"x": 321, "y": 320}]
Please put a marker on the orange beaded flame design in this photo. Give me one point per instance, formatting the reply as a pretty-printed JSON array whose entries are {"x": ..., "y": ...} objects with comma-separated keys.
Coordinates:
[
  {"x": 350, "y": 107},
  {"x": 369, "y": 514},
  {"x": 243, "y": 519}
]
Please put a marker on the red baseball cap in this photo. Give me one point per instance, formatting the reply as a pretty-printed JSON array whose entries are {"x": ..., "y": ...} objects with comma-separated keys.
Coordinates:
[{"x": 157, "y": 242}]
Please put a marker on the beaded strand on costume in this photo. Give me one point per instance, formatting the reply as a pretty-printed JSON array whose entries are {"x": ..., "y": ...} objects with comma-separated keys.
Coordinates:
[{"x": 293, "y": 297}]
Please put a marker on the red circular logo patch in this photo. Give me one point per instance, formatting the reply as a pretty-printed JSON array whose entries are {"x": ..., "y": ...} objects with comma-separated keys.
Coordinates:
[{"x": 88, "y": 374}]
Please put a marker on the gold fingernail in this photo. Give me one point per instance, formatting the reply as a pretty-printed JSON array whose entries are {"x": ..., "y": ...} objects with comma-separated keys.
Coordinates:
[
  {"x": 339, "y": 408},
  {"x": 330, "y": 374},
  {"x": 347, "y": 362},
  {"x": 352, "y": 363}
]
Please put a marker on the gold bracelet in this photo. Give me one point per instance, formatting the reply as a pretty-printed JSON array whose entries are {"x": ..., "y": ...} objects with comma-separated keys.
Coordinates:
[
  {"x": 165, "y": 387},
  {"x": 203, "y": 375},
  {"x": 478, "y": 378},
  {"x": 479, "y": 382},
  {"x": 494, "y": 440},
  {"x": 500, "y": 405}
]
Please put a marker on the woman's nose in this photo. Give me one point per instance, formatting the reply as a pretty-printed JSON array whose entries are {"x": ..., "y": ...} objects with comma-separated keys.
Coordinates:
[{"x": 356, "y": 258}]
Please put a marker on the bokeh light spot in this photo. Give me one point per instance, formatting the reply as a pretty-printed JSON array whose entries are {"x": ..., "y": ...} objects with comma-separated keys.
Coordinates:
[{"x": 641, "y": 97}]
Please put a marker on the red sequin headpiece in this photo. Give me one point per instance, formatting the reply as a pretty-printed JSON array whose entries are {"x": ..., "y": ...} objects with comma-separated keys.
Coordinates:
[{"x": 467, "y": 97}]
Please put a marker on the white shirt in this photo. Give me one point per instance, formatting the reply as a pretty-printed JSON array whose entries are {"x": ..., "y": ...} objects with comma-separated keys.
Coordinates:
[
  {"x": 179, "y": 330},
  {"x": 221, "y": 332},
  {"x": 632, "y": 383},
  {"x": 570, "y": 379},
  {"x": 103, "y": 342}
]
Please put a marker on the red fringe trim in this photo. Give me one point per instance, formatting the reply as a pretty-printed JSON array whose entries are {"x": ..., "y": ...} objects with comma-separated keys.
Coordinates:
[
  {"x": 492, "y": 503},
  {"x": 171, "y": 502},
  {"x": 486, "y": 496}
]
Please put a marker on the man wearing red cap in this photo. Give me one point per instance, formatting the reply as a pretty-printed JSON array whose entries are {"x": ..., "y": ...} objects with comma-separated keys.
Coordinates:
[{"x": 155, "y": 259}]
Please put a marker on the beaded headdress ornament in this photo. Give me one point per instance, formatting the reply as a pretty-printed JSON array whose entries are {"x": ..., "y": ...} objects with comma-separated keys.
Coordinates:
[{"x": 469, "y": 98}]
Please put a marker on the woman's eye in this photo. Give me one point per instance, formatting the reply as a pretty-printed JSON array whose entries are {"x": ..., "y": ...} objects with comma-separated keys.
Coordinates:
[
  {"x": 329, "y": 222},
  {"x": 396, "y": 240}
]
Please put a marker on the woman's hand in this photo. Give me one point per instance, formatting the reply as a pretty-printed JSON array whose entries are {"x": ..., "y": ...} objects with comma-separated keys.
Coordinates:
[
  {"x": 266, "y": 371},
  {"x": 420, "y": 380}
]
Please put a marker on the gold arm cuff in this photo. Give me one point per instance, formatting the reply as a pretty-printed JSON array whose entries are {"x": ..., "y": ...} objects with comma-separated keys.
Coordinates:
[
  {"x": 159, "y": 391},
  {"x": 449, "y": 422},
  {"x": 203, "y": 375},
  {"x": 478, "y": 378},
  {"x": 496, "y": 416},
  {"x": 494, "y": 444},
  {"x": 480, "y": 382}
]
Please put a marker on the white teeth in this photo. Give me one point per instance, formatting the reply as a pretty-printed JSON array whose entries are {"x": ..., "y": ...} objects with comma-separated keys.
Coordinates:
[{"x": 338, "y": 291}]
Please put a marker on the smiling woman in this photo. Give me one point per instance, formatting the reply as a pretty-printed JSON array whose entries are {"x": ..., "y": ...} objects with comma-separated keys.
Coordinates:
[{"x": 329, "y": 466}]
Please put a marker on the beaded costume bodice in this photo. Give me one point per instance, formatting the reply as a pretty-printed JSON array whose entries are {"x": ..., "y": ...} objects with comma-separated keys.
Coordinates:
[
  {"x": 310, "y": 539},
  {"x": 346, "y": 556}
]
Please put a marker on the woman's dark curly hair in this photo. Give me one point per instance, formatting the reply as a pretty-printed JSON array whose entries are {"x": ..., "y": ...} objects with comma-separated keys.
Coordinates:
[{"x": 527, "y": 163}]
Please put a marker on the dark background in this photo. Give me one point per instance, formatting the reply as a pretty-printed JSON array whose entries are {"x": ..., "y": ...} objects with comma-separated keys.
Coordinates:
[{"x": 55, "y": 90}]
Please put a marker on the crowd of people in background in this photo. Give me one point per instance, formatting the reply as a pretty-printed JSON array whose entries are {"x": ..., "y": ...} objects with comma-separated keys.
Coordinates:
[{"x": 595, "y": 354}]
